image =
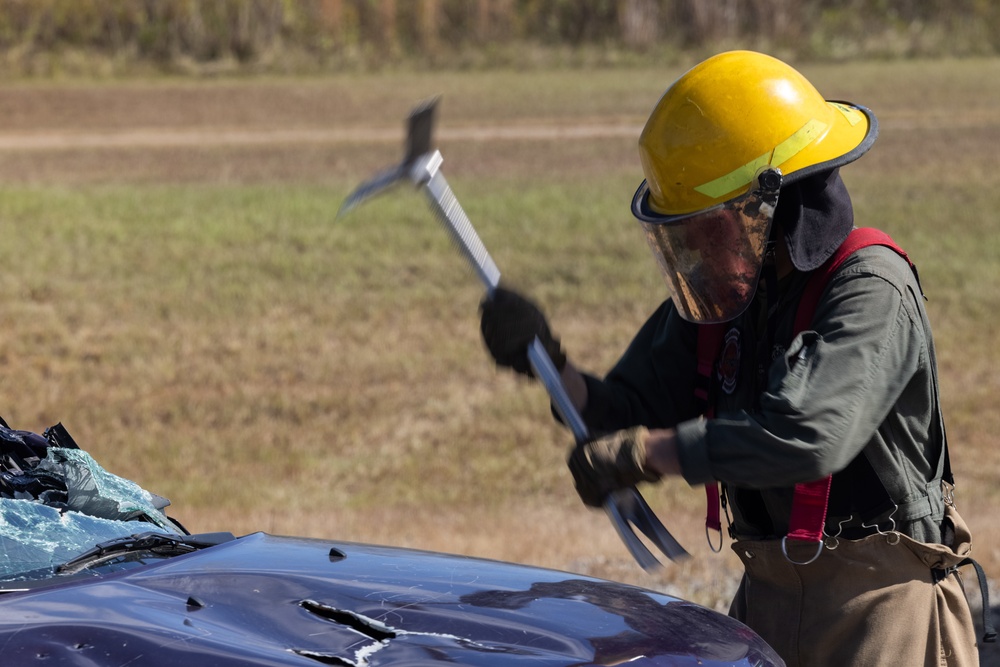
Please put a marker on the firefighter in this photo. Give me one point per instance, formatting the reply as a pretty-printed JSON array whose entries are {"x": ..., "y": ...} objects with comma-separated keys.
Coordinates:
[{"x": 742, "y": 205}]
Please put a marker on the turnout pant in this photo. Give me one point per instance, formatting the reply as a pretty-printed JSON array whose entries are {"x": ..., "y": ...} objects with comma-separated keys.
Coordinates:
[{"x": 882, "y": 600}]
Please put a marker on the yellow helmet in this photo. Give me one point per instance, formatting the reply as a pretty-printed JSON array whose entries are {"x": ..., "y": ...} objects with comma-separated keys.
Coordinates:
[
  {"x": 732, "y": 115},
  {"x": 717, "y": 151}
]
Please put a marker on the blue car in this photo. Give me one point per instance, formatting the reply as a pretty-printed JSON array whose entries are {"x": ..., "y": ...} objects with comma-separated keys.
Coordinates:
[{"x": 94, "y": 573}]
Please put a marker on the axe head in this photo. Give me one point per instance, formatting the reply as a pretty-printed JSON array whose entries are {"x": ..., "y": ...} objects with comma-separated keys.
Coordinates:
[{"x": 419, "y": 130}]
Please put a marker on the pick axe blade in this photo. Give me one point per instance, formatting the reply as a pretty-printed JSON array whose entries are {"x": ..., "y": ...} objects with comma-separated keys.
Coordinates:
[
  {"x": 420, "y": 125},
  {"x": 422, "y": 165}
]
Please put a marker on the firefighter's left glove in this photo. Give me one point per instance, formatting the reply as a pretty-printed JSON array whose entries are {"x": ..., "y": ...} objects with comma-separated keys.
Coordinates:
[
  {"x": 509, "y": 323},
  {"x": 608, "y": 463}
]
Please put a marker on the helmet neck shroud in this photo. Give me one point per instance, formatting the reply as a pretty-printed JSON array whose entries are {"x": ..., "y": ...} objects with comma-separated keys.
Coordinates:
[{"x": 816, "y": 215}]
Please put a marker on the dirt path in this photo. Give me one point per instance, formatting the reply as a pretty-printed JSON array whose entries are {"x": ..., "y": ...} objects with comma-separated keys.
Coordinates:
[
  {"x": 259, "y": 152},
  {"x": 218, "y": 137},
  {"x": 197, "y": 135}
]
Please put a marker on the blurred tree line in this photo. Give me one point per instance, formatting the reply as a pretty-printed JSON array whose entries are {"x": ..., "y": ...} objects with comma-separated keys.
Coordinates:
[{"x": 41, "y": 36}]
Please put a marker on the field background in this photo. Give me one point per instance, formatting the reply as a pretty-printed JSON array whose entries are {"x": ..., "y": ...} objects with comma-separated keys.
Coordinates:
[{"x": 177, "y": 292}]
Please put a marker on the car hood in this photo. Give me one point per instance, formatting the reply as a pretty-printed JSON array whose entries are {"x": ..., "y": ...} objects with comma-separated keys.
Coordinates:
[{"x": 267, "y": 600}]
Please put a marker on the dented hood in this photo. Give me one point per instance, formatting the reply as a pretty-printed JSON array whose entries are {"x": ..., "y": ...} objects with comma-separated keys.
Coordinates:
[{"x": 266, "y": 600}]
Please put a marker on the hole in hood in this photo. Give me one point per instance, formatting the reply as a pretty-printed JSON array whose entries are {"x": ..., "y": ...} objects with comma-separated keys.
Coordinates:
[{"x": 366, "y": 626}]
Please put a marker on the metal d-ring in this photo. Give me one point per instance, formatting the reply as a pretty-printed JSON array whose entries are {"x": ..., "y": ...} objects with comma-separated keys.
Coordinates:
[
  {"x": 819, "y": 550},
  {"x": 708, "y": 538}
]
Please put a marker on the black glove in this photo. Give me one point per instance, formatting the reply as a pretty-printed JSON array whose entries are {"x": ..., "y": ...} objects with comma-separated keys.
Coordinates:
[
  {"x": 510, "y": 323},
  {"x": 608, "y": 463}
]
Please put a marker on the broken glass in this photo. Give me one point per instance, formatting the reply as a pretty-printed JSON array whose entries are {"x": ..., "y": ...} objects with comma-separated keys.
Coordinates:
[{"x": 36, "y": 536}]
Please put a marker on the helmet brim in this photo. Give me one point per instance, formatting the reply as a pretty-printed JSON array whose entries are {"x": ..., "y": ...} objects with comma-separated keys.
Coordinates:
[{"x": 846, "y": 132}]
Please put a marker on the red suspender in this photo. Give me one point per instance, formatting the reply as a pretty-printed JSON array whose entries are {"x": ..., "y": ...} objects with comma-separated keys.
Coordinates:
[
  {"x": 809, "y": 503},
  {"x": 858, "y": 239},
  {"x": 709, "y": 342}
]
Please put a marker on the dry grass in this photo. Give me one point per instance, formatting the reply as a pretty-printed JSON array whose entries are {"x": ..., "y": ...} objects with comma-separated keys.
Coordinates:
[{"x": 196, "y": 318}]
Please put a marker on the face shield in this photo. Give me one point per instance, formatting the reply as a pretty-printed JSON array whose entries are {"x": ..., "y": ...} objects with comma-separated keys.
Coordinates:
[{"x": 712, "y": 259}]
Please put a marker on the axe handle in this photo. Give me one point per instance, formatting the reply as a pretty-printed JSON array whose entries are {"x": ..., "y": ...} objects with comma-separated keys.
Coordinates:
[
  {"x": 624, "y": 507},
  {"x": 548, "y": 375},
  {"x": 446, "y": 206}
]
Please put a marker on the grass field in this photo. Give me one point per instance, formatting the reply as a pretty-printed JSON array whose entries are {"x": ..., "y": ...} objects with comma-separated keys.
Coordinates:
[{"x": 177, "y": 292}]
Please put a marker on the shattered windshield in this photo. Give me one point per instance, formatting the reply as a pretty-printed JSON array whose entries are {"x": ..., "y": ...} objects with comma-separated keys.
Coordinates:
[{"x": 64, "y": 504}]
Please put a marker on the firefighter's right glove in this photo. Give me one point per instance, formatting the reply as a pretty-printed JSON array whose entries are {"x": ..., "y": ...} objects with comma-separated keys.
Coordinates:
[
  {"x": 509, "y": 323},
  {"x": 608, "y": 463}
]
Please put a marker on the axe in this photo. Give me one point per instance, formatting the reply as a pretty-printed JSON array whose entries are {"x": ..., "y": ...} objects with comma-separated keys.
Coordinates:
[{"x": 421, "y": 165}]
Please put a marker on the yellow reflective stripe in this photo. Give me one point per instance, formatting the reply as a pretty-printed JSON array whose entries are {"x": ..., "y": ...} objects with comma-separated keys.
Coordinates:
[
  {"x": 791, "y": 146},
  {"x": 744, "y": 175},
  {"x": 735, "y": 179},
  {"x": 852, "y": 115}
]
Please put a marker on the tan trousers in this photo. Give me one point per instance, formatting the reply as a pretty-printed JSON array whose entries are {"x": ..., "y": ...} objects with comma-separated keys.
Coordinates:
[{"x": 868, "y": 602}]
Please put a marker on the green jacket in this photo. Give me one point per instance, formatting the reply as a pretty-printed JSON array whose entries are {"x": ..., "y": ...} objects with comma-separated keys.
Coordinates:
[{"x": 858, "y": 388}]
